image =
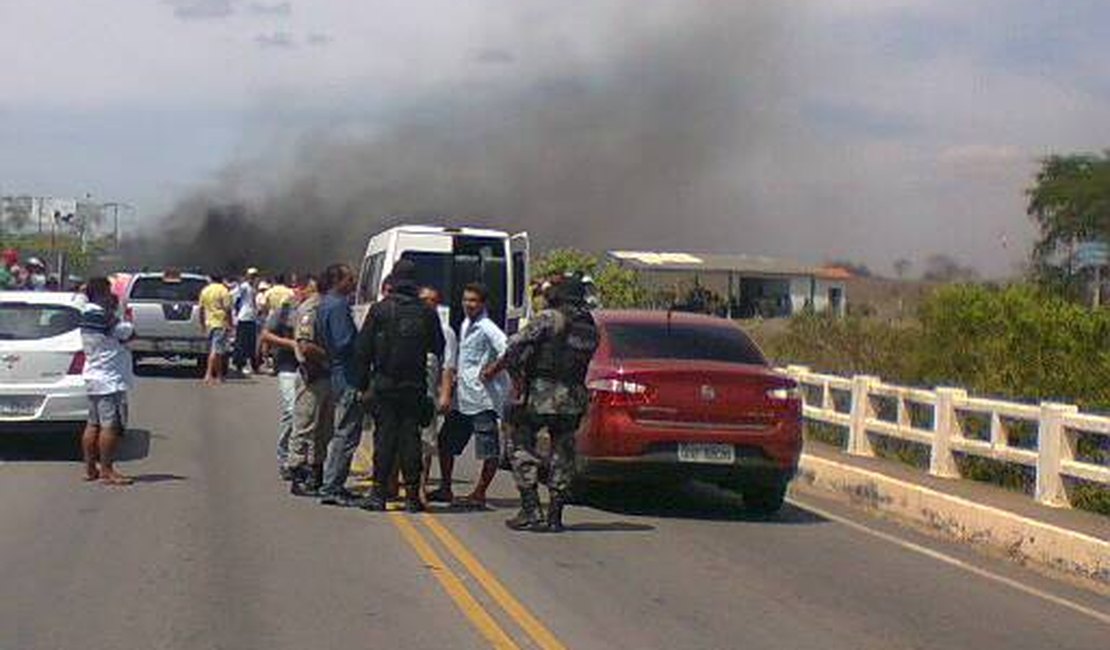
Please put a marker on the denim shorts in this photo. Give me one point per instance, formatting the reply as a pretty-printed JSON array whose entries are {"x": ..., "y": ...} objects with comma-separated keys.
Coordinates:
[
  {"x": 108, "y": 410},
  {"x": 458, "y": 428},
  {"x": 217, "y": 340}
]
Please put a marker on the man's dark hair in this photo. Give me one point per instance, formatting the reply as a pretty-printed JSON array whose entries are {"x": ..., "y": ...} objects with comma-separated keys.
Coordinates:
[
  {"x": 479, "y": 289},
  {"x": 97, "y": 288},
  {"x": 280, "y": 278},
  {"x": 217, "y": 277},
  {"x": 333, "y": 275}
]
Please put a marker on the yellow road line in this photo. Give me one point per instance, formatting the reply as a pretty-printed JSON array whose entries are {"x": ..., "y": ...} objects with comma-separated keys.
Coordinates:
[
  {"x": 513, "y": 607},
  {"x": 454, "y": 587}
]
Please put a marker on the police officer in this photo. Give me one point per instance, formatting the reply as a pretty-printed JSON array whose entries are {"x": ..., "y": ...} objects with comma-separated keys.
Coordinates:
[
  {"x": 549, "y": 357},
  {"x": 393, "y": 347}
]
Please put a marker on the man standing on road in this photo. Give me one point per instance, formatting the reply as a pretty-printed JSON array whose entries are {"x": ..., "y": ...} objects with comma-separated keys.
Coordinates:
[
  {"x": 278, "y": 335},
  {"x": 441, "y": 383},
  {"x": 313, "y": 408},
  {"x": 393, "y": 346},
  {"x": 278, "y": 293},
  {"x": 107, "y": 375},
  {"x": 478, "y": 402},
  {"x": 336, "y": 328},
  {"x": 215, "y": 316},
  {"x": 246, "y": 323},
  {"x": 550, "y": 356}
]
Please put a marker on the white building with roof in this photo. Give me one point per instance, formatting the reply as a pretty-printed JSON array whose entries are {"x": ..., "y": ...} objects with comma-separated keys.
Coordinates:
[{"x": 738, "y": 286}]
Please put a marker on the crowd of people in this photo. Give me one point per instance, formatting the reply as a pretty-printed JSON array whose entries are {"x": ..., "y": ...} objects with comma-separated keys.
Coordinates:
[
  {"x": 31, "y": 274},
  {"x": 431, "y": 391}
]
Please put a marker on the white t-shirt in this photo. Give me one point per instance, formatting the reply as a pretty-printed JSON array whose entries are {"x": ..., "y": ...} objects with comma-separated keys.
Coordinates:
[
  {"x": 243, "y": 299},
  {"x": 107, "y": 361}
]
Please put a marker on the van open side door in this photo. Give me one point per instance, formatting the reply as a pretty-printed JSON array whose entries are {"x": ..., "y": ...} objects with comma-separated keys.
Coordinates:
[{"x": 520, "y": 277}]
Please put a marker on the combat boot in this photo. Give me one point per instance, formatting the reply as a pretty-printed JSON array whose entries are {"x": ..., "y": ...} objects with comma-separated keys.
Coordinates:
[
  {"x": 555, "y": 513},
  {"x": 529, "y": 516},
  {"x": 304, "y": 483}
]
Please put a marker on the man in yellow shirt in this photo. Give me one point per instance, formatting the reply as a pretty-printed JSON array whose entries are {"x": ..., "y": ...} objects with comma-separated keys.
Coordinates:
[
  {"x": 278, "y": 295},
  {"x": 215, "y": 315}
]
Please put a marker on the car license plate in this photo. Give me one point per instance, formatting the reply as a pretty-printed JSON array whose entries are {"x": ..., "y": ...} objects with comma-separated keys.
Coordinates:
[
  {"x": 698, "y": 452},
  {"x": 177, "y": 346},
  {"x": 19, "y": 406}
]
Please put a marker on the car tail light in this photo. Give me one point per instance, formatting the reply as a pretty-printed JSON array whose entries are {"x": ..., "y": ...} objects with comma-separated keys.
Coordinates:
[
  {"x": 129, "y": 315},
  {"x": 615, "y": 391},
  {"x": 784, "y": 393},
  {"x": 77, "y": 366}
]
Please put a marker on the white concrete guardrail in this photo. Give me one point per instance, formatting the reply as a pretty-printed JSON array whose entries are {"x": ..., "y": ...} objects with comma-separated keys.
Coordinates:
[{"x": 938, "y": 419}]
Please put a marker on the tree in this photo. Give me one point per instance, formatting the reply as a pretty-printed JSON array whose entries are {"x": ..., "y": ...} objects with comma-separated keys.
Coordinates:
[
  {"x": 902, "y": 267},
  {"x": 617, "y": 286},
  {"x": 1070, "y": 201}
]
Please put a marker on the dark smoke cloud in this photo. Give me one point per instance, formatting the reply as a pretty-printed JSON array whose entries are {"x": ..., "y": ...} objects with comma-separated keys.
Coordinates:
[{"x": 650, "y": 149}]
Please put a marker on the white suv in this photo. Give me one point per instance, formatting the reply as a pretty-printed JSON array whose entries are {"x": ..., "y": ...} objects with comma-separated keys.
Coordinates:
[{"x": 164, "y": 311}]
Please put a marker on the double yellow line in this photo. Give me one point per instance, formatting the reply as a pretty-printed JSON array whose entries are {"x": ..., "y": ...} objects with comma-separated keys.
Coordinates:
[{"x": 478, "y": 615}]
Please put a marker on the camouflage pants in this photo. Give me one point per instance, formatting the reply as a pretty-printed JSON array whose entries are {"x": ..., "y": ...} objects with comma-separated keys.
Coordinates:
[
  {"x": 312, "y": 423},
  {"x": 531, "y": 460}
]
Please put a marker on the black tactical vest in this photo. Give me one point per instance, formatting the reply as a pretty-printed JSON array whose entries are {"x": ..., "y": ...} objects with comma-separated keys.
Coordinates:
[{"x": 566, "y": 356}]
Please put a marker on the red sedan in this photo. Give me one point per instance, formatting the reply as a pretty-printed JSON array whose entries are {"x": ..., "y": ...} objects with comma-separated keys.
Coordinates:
[{"x": 678, "y": 396}]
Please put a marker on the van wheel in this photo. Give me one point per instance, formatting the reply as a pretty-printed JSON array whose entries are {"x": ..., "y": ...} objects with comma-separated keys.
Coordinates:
[{"x": 764, "y": 497}]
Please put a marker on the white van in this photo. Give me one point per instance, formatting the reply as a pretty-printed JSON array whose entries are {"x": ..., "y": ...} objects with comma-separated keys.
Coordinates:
[{"x": 448, "y": 259}]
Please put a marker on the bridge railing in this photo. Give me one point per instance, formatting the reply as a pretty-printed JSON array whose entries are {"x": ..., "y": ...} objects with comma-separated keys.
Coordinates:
[{"x": 948, "y": 422}]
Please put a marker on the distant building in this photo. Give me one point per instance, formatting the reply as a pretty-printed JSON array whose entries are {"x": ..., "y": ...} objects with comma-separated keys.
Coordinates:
[
  {"x": 737, "y": 286},
  {"x": 30, "y": 215}
]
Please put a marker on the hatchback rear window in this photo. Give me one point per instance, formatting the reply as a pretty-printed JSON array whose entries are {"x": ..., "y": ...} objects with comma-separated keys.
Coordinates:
[
  {"x": 682, "y": 341},
  {"x": 27, "y": 322},
  {"x": 155, "y": 288}
]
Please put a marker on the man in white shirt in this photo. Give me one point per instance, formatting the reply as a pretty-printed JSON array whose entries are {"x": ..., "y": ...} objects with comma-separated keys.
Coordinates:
[
  {"x": 478, "y": 403},
  {"x": 107, "y": 375},
  {"x": 245, "y": 310}
]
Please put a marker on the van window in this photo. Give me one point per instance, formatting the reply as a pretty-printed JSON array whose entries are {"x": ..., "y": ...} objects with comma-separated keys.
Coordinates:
[{"x": 370, "y": 280}]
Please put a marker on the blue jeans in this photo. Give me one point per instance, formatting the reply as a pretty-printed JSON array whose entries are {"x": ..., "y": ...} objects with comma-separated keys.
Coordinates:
[
  {"x": 287, "y": 394},
  {"x": 344, "y": 442}
]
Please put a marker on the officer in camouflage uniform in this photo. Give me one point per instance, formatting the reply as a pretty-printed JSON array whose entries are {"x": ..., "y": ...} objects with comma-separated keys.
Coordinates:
[
  {"x": 313, "y": 406},
  {"x": 549, "y": 359}
]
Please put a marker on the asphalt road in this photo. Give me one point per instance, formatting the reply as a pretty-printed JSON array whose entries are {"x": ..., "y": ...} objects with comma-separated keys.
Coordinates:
[{"x": 207, "y": 551}]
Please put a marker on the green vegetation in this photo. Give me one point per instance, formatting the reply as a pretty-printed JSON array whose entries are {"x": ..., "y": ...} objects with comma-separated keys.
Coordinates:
[
  {"x": 78, "y": 260},
  {"x": 1019, "y": 342},
  {"x": 618, "y": 287}
]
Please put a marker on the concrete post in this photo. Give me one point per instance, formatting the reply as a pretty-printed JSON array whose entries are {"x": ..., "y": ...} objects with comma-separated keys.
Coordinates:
[
  {"x": 858, "y": 442},
  {"x": 946, "y": 425},
  {"x": 1052, "y": 448}
]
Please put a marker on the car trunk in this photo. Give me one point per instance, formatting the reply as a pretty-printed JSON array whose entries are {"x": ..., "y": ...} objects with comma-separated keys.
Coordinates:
[
  {"x": 40, "y": 361},
  {"x": 704, "y": 394}
]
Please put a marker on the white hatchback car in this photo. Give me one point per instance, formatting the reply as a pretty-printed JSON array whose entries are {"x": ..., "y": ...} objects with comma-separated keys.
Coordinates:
[{"x": 41, "y": 359}]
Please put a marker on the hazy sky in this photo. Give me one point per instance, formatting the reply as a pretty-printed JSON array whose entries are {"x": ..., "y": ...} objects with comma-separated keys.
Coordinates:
[{"x": 892, "y": 128}]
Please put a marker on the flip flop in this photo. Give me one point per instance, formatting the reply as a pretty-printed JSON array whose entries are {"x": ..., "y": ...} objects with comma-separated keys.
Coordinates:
[{"x": 117, "y": 480}]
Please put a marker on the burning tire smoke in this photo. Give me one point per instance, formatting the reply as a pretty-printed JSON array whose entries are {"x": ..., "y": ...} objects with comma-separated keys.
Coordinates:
[{"x": 658, "y": 146}]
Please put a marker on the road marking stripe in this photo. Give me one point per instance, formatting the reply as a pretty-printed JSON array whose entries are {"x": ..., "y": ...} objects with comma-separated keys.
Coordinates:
[
  {"x": 956, "y": 562},
  {"x": 513, "y": 607},
  {"x": 454, "y": 587}
]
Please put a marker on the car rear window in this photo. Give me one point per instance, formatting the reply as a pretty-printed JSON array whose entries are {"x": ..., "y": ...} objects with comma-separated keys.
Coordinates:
[
  {"x": 682, "y": 341},
  {"x": 27, "y": 322},
  {"x": 155, "y": 288}
]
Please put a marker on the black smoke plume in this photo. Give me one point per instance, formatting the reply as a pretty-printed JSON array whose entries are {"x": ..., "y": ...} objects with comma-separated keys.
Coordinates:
[{"x": 659, "y": 146}]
